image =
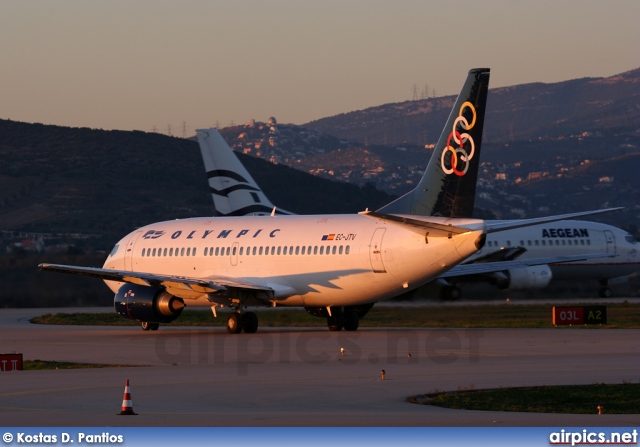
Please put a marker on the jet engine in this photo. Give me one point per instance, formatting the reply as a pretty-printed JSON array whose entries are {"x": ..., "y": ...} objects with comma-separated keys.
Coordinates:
[
  {"x": 147, "y": 304},
  {"x": 534, "y": 277}
]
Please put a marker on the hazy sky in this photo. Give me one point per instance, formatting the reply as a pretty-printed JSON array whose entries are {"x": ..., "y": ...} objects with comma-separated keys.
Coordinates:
[{"x": 136, "y": 64}]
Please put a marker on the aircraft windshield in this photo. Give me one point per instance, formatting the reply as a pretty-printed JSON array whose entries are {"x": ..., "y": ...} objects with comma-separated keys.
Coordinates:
[
  {"x": 631, "y": 239},
  {"x": 113, "y": 252}
]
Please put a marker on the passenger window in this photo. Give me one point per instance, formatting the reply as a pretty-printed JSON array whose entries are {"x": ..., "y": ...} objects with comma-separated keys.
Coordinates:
[
  {"x": 143, "y": 250},
  {"x": 241, "y": 251},
  {"x": 297, "y": 250},
  {"x": 234, "y": 250},
  {"x": 164, "y": 252},
  {"x": 279, "y": 250},
  {"x": 304, "y": 250},
  {"x": 322, "y": 249},
  {"x": 154, "y": 252},
  {"x": 348, "y": 249},
  {"x": 291, "y": 250},
  {"x": 340, "y": 251},
  {"x": 537, "y": 242},
  {"x": 333, "y": 251},
  {"x": 315, "y": 250},
  {"x": 194, "y": 251},
  {"x": 228, "y": 251},
  {"x": 189, "y": 251}
]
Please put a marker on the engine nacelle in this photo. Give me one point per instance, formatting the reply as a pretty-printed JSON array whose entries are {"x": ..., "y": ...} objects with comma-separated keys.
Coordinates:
[
  {"x": 535, "y": 277},
  {"x": 148, "y": 304}
]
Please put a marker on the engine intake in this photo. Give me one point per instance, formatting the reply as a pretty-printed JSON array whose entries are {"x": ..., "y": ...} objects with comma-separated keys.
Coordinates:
[{"x": 148, "y": 304}]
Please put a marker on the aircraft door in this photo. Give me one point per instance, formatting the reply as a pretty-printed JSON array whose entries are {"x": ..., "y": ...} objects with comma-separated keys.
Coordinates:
[
  {"x": 375, "y": 251},
  {"x": 128, "y": 254},
  {"x": 234, "y": 254},
  {"x": 610, "y": 241}
]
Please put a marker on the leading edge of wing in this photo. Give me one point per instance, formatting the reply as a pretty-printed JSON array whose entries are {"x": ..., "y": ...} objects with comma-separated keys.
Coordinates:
[
  {"x": 494, "y": 227},
  {"x": 183, "y": 287},
  {"x": 499, "y": 266}
]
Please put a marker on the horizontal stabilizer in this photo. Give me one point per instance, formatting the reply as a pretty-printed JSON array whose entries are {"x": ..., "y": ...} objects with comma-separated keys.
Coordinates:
[
  {"x": 433, "y": 228},
  {"x": 503, "y": 225}
]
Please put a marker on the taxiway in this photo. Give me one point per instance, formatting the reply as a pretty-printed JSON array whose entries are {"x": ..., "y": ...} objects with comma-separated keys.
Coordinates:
[{"x": 292, "y": 377}]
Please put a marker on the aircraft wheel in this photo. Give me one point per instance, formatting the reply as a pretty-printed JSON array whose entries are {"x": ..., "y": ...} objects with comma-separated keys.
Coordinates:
[
  {"x": 450, "y": 293},
  {"x": 146, "y": 326},
  {"x": 351, "y": 320},
  {"x": 234, "y": 323},
  {"x": 154, "y": 326},
  {"x": 335, "y": 322},
  {"x": 605, "y": 292},
  {"x": 250, "y": 323}
]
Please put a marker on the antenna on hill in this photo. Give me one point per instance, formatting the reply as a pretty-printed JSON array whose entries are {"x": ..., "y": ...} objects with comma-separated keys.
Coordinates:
[
  {"x": 184, "y": 129},
  {"x": 169, "y": 130},
  {"x": 415, "y": 92},
  {"x": 425, "y": 92}
]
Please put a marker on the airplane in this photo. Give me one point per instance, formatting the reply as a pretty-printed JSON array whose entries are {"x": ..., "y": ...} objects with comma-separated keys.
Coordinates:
[
  {"x": 335, "y": 266},
  {"x": 235, "y": 192}
]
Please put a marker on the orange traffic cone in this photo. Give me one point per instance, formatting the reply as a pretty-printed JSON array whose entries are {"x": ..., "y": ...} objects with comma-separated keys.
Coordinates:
[{"x": 127, "y": 405}]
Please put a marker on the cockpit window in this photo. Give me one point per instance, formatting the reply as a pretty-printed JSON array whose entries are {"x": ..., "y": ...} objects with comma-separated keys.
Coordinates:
[
  {"x": 631, "y": 239},
  {"x": 113, "y": 252}
]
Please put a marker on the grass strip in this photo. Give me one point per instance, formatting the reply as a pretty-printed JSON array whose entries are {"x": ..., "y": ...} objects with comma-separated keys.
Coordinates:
[
  {"x": 574, "y": 399},
  {"x": 619, "y": 315},
  {"x": 41, "y": 365}
]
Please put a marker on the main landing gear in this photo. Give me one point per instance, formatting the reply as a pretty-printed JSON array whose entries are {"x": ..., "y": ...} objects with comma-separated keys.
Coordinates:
[
  {"x": 450, "y": 293},
  {"x": 605, "y": 290},
  {"x": 338, "y": 318},
  {"x": 146, "y": 326},
  {"x": 347, "y": 319},
  {"x": 238, "y": 322}
]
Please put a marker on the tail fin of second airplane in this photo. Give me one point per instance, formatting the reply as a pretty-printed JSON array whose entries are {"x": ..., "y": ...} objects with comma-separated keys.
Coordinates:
[
  {"x": 448, "y": 185},
  {"x": 234, "y": 191}
]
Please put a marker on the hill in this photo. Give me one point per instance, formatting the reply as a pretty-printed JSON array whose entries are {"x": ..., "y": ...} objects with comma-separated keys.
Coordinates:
[
  {"x": 106, "y": 183},
  {"x": 548, "y": 148},
  {"x": 517, "y": 113}
]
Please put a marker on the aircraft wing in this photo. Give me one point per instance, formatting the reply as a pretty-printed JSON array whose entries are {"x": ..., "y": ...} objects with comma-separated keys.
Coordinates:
[
  {"x": 491, "y": 267},
  {"x": 180, "y": 286},
  {"x": 494, "y": 227}
]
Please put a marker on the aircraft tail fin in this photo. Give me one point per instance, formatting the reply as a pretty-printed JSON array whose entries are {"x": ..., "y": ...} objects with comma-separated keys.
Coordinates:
[
  {"x": 448, "y": 185},
  {"x": 234, "y": 191}
]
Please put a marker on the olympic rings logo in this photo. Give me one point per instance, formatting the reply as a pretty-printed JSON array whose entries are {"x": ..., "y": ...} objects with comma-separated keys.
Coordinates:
[{"x": 464, "y": 142}]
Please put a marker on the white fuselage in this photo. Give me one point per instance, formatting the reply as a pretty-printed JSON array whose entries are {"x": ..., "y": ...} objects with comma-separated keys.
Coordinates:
[
  {"x": 331, "y": 260},
  {"x": 573, "y": 237}
]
